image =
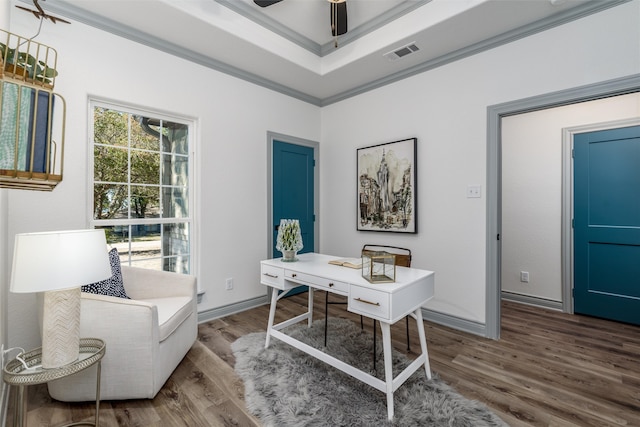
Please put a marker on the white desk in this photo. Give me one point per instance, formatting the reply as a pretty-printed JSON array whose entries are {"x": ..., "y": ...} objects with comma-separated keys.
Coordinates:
[{"x": 385, "y": 302}]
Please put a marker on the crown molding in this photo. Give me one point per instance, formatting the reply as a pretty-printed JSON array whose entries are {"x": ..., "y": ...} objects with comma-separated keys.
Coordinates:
[
  {"x": 129, "y": 33},
  {"x": 484, "y": 45}
]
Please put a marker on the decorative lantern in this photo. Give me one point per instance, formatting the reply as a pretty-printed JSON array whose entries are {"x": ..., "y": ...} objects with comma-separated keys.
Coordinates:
[{"x": 378, "y": 266}]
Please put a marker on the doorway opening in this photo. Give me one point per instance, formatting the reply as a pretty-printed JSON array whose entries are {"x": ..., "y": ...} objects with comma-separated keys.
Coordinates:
[{"x": 495, "y": 114}]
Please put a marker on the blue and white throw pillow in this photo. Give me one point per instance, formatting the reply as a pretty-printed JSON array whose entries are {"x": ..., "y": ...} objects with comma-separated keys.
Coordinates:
[{"x": 113, "y": 286}]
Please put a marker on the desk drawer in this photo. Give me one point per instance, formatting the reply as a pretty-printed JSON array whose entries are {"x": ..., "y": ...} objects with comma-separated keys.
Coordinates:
[
  {"x": 272, "y": 276},
  {"x": 318, "y": 282},
  {"x": 369, "y": 302}
]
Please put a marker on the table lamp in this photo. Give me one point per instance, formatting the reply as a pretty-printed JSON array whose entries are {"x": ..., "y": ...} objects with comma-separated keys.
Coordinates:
[{"x": 58, "y": 263}]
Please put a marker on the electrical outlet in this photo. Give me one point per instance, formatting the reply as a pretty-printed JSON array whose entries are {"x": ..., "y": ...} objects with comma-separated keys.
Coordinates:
[
  {"x": 474, "y": 191},
  {"x": 524, "y": 276},
  {"x": 228, "y": 285}
]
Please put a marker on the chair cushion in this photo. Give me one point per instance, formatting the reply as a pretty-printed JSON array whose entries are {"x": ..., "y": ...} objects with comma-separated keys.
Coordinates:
[
  {"x": 113, "y": 286},
  {"x": 172, "y": 311}
]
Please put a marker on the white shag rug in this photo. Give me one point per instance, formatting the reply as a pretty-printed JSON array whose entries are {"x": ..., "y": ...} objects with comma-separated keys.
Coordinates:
[{"x": 286, "y": 387}]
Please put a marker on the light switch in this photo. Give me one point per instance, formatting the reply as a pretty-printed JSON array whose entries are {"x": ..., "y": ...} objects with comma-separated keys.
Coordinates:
[{"x": 473, "y": 191}]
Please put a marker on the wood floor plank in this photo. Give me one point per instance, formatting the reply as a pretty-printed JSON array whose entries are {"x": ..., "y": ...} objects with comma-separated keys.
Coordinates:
[
  {"x": 217, "y": 381},
  {"x": 549, "y": 369},
  {"x": 543, "y": 394}
]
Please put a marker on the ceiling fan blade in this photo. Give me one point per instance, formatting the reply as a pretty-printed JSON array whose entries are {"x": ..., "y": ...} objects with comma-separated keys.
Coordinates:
[
  {"x": 338, "y": 18},
  {"x": 265, "y": 3}
]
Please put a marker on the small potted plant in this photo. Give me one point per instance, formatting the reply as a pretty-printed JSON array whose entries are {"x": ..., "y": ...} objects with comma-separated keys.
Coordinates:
[{"x": 289, "y": 240}]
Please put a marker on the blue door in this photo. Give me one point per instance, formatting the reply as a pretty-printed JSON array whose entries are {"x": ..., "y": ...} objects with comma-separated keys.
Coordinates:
[
  {"x": 293, "y": 186},
  {"x": 607, "y": 224}
]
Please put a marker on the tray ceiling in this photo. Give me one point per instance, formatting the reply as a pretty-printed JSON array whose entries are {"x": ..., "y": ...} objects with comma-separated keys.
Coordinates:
[{"x": 288, "y": 46}]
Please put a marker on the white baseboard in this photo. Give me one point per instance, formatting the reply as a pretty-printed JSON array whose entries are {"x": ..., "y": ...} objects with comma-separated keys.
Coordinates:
[
  {"x": 227, "y": 310},
  {"x": 454, "y": 322},
  {"x": 534, "y": 301}
]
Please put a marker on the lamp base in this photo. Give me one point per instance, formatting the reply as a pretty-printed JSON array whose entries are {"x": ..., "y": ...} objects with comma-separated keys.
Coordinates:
[{"x": 61, "y": 328}]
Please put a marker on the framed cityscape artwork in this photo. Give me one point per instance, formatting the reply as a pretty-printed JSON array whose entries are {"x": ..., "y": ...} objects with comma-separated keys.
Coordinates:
[{"x": 387, "y": 187}]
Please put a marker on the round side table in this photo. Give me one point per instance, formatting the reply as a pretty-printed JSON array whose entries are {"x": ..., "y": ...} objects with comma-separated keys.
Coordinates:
[{"x": 91, "y": 353}]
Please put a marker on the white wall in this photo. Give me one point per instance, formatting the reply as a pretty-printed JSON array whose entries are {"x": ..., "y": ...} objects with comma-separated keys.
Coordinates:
[
  {"x": 446, "y": 109},
  {"x": 233, "y": 118},
  {"x": 5, "y": 5},
  {"x": 532, "y": 190}
]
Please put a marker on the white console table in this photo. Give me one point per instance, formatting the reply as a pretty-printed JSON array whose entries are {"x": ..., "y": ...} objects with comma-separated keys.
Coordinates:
[{"x": 385, "y": 302}]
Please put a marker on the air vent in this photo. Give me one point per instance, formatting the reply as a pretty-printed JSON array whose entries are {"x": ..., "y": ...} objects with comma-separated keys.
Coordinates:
[{"x": 402, "y": 52}]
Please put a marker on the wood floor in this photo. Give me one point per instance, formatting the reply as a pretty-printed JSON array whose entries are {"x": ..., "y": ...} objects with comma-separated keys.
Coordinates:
[{"x": 548, "y": 369}]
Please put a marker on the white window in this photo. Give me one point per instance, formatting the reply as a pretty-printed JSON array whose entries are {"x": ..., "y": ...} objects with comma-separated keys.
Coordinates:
[{"x": 141, "y": 189}]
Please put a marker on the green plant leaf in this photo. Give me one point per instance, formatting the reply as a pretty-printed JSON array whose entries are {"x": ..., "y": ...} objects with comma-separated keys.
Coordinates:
[
  {"x": 50, "y": 72},
  {"x": 36, "y": 69},
  {"x": 11, "y": 56}
]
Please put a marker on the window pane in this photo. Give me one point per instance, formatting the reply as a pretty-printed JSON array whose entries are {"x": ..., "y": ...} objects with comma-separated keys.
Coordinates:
[
  {"x": 145, "y": 167},
  {"x": 110, "y": 127},
  {"x": 175, "y": 202},
  {"x": 151, "y": 264},
  {"x": 110, "y": 164},
  {"x": 175, "y": 170},
  {"x": 144, "y": 134},
  {"x": 175, "y": 239},
  {"x": 110, "y": 201},
  {"x": 178, "y": 264},
  {"x": 145, "y": 202},
  {"x": 177, "y": 138},
  {"x": 145, "y": 241},
  {"x": 118, "y": 237}
]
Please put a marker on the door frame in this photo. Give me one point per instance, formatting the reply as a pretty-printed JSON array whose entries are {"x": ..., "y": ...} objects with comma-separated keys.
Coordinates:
[
  {"x": 567, "y": 201},
  {"x": 274, "y": 136},
  {"x": 495, "y": 113}
]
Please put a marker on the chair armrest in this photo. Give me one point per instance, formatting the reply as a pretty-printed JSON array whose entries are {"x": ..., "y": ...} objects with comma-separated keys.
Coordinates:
[
  {"x": 123, "y": 323},
  {"x": 142, "y": 283}
]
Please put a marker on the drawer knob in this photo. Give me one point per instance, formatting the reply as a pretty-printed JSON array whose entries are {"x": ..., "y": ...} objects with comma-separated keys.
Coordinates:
[
  {"x": 367, "y": 302},
  {"x": 270, "y": 275},
  {"x": 294, "y": 275},
  {"x": 331, "y": 285}
]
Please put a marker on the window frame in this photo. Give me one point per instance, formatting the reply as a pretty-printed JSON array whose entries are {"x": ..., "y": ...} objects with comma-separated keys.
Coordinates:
[{"x": 190, "y": 219}]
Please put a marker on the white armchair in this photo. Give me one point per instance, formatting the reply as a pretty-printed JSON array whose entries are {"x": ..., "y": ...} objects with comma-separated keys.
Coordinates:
[{"x": 146, "y": 336}]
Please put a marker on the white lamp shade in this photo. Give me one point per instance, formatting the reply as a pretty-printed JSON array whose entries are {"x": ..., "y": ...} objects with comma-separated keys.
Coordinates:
[{"x": 59, "y": 260}]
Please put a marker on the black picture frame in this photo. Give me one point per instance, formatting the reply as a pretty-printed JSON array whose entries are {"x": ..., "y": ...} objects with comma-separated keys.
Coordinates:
[{"x": 387, "y": 187}]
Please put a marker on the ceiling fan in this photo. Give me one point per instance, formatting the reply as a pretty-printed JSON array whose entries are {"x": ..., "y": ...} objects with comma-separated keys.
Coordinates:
[{"x": 338, "y": 13}]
